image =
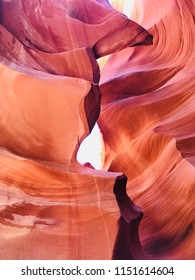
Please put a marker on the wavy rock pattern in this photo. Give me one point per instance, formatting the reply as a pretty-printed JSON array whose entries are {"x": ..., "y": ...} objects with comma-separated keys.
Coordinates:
[
  {"x": 51, "y": 211},
  {"x": 51, "y": 207},
  {"x": 70, "y": 25},
  {"x": 148, "y": 94}
]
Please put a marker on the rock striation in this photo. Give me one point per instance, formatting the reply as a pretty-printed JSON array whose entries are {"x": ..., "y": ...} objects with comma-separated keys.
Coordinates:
[
  {"x": 65, "y": 65},
  {"x": 148, "y": 94}
]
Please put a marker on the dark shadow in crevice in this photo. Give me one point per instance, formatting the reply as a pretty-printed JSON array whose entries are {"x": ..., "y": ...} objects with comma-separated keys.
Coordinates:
[{"x": 127, "y": 245}]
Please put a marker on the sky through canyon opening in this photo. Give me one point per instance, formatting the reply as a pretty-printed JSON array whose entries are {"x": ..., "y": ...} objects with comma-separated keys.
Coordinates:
[{"x": 91, "y": 149}]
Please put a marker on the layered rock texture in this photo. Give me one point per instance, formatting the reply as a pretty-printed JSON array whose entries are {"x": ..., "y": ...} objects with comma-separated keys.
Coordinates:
[{"x": 65, "y": 65}]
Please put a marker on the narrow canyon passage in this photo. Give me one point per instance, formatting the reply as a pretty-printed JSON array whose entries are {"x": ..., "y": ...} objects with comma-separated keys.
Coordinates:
[{"x": 97, "y": 129}]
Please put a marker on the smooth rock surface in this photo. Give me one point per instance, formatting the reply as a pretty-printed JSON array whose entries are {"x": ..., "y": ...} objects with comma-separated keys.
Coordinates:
[
  {"x": 148, "y": 124},
  {"x": 142, "y": 94}
]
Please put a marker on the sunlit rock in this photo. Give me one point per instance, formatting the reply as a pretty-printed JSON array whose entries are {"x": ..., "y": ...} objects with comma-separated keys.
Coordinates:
[
  {"x": 148, "y": 95},
  {"x": 52, "y": 92},
  {"x": 51, "y": 206}
]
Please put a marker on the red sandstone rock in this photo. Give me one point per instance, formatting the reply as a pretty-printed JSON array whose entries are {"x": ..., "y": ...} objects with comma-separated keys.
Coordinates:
[
  {"x": 45, "y": 116},
  {"x": 51, "y": 206},
  {"x": 148, "y": 95},
  {"x": 58, "y": 26},
  {"x": 57, "y": 211}
]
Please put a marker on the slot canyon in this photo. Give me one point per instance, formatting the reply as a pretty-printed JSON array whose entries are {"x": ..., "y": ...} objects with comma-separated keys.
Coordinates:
[{"x": 127, "y": 69}]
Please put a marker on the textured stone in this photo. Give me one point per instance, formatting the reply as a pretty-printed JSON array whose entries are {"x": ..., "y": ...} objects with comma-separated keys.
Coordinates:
[{"x": 53, "y": 90}]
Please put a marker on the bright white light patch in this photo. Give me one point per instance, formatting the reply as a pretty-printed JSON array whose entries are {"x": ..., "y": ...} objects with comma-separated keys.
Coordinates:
[
  {"x": 124, "y": 6},
  {"x": 91, "y": 149}
]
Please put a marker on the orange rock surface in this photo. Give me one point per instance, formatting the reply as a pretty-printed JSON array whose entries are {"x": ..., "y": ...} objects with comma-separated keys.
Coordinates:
[
  {"x": 53, "y": 90},
  {"x": 148, "y": 124}
]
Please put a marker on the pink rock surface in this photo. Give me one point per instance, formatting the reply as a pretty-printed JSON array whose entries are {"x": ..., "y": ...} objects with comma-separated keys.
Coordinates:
[
  {"x": 51, "y": 207},
  {"x": 59, "y": 26},
  {"x": 148, "y": 94}
]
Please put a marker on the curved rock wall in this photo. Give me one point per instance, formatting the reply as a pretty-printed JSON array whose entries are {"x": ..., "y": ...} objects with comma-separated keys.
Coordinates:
[
  {"x": 53, "y": 90},
  {"x": 148, "y": 124}
]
